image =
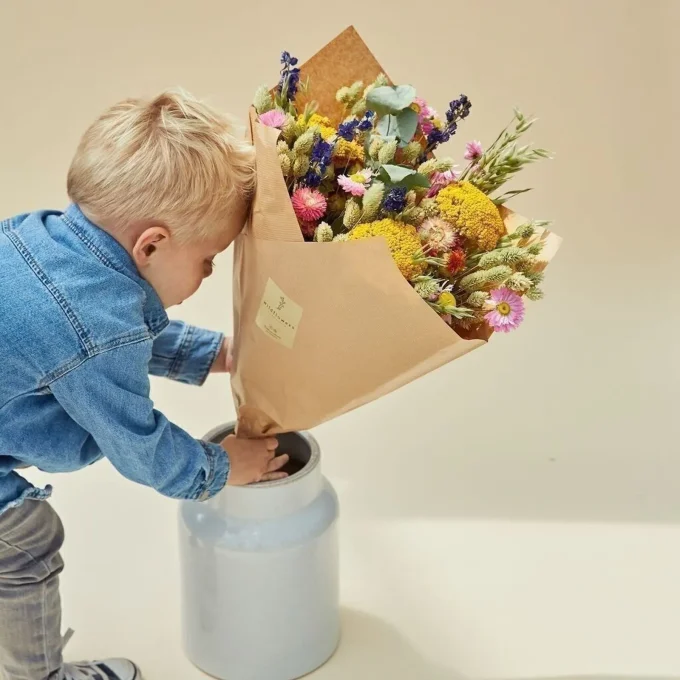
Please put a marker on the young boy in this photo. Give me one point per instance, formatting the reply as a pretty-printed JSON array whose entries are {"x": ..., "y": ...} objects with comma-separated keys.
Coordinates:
[{"x": 159, "y": 188}]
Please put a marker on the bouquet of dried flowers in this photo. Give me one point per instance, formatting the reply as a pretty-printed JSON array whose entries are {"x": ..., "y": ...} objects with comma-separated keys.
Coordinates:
[
  {"x": 374, "y": 174},
  {"x": 367, "y": 261}
]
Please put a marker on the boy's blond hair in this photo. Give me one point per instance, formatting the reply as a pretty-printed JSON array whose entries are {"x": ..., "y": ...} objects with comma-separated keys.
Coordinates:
[{"x": 173, "y": 159}]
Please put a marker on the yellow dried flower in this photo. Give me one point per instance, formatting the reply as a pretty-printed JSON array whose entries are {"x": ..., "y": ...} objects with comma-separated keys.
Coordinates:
[
  {"x": 316, "y": 119},
  {"x": 403, "y": 242},
  {"x": 447, "y": 299},
  {"x": 346, "y": 152},
  {"x": 326, "y": 130},
  {"x": 472, "y": 213}
]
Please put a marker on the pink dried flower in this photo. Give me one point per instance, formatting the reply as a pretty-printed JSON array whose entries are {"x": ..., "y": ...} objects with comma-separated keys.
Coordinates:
[
  {"x": 425, "y": 115},
  {"x": 442, "y": 179},
  {"x": 274, "y": 118},
  {"x": 423, "y": 108},
  {"x": 473, "y": 150},
  {"x": 355, "y": 184},
  {"x": 309, "y": 204},
  {"x": 437, "y": 235},
  {"x": 308, "y": 229},
  {"x": 508, "y": 310}
]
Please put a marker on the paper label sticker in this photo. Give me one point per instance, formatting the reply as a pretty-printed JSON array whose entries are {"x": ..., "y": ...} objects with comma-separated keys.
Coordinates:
[{"x": 278, "y": 316}]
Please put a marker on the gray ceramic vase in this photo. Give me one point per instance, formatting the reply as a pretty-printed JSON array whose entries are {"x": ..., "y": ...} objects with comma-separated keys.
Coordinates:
[{"x": 260, "y": 572}]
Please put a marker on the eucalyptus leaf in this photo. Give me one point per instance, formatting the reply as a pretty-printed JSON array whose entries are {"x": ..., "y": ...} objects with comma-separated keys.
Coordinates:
[
  {"x": 390, "y": 99},
  {"x": 407, "y": 123},
  {"x": 395, "y": 173},
  {"x": 388, "y": 125},
  {"x": 415, "y": 180},
  {"x": 404, "y": 177}
]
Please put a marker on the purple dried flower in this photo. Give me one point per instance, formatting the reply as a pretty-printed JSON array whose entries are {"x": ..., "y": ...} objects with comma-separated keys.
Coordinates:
[
  {"x": 367, "y": 121},
  {"x": 290, "y": 76},
  {"x": 395, "y": 201},
  {"x": 347, "y": 130}
]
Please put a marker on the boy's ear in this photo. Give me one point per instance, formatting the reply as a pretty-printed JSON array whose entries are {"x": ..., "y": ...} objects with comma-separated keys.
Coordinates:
[{"x": 149, "y": 242}]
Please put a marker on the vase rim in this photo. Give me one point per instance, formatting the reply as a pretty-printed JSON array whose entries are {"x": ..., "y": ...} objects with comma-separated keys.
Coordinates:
[{"x": 217, "y": 434}]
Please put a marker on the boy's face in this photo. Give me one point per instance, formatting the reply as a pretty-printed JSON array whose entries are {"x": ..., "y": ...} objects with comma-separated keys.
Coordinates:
[{"x": 175, "y": 269}]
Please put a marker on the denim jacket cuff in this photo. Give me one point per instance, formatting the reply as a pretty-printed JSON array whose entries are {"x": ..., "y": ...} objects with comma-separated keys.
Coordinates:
[
  {"x": 196, "y": 355},
  {"x": 218, "y": 471}
]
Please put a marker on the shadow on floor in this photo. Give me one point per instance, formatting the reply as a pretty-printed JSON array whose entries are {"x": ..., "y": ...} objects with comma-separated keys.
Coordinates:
[{"x": 374, "y": 650}]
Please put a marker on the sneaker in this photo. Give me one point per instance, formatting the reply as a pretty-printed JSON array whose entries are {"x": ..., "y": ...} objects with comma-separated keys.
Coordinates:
[{"x": 111, "y": 669}]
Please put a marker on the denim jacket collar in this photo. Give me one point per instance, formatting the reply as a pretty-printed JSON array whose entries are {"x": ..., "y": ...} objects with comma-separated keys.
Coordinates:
[{"x": 112, "y": 254}]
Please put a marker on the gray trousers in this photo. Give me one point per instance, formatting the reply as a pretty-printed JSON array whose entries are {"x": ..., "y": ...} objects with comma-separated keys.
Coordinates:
[{"x": 31, "y": 536}]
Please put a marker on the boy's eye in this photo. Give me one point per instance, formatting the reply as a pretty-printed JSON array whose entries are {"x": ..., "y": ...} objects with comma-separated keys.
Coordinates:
[{"x": 209, "y": 266}]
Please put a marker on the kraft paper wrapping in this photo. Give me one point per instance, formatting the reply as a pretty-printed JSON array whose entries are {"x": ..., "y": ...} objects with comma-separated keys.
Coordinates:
[{"x": 322, "y": 328}]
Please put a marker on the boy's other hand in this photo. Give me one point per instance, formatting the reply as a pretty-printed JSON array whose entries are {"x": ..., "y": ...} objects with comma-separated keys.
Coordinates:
[{"x": 253, "y": 460}]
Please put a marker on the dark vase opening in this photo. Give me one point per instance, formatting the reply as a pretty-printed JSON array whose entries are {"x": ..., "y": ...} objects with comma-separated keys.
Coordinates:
[{"x": 292, "y": 443}]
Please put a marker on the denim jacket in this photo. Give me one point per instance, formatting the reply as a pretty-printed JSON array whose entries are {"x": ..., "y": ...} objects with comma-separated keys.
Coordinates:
[{"x": 80, "y": 331}]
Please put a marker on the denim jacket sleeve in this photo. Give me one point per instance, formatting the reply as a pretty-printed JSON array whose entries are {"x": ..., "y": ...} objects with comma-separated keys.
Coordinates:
[
  {"x": 185, "y": 353},
  {"x": 108, "y": 396}
]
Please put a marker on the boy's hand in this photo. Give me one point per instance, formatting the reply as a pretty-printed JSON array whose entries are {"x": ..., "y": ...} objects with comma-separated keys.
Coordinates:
[
  {"x": 253, "y": 460},
  {"x": 223, "y": 359}
]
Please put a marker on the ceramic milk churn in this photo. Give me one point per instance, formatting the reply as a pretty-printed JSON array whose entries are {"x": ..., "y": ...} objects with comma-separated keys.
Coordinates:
[{"x": 259, "y": 570}]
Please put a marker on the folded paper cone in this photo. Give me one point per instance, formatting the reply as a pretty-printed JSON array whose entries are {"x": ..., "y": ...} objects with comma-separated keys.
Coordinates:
[{"x": 322, "y": 328}]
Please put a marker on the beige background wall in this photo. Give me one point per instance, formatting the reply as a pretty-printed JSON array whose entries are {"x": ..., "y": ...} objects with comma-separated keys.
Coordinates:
[{"x": 572, "y": 419}]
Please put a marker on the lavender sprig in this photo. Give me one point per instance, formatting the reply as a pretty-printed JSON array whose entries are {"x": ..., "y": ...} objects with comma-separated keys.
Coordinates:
[
  {"x": 349, "y": 128},
  {"x": 458, "y": 110},
  {"x": 319, "y": 160},
  {"x": 289, "y": 82}
]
